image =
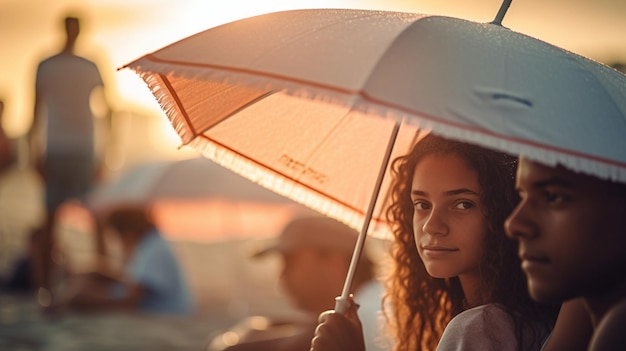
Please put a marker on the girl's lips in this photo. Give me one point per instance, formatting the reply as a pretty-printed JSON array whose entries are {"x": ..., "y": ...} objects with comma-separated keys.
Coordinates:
[
  {"x": 435, "y": 251},
  {"x": 437, "y": 248}
]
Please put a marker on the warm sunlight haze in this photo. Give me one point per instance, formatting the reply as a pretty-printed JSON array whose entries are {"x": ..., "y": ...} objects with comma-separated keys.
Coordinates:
[
  {"x": 115, "y": 32},
  {"x": 296, "y": 115}
]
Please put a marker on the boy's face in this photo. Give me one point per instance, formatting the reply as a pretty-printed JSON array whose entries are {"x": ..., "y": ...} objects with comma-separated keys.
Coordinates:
[
  {"x": 571, "y": 230},
  {"x": 310, "y": 278}
]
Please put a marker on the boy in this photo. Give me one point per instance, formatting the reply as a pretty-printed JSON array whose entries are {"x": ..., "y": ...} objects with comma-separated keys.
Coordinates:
[{"x": 572, "y": 243}]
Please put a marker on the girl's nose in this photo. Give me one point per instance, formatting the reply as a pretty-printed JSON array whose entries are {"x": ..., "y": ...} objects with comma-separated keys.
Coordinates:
[{"x": 436, "y": 223}]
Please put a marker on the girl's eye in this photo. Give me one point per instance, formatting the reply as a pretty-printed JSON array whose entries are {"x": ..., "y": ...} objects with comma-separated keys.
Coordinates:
[
  {"x": 420, "y": 205},
  {"x": 464, "y": 205}
]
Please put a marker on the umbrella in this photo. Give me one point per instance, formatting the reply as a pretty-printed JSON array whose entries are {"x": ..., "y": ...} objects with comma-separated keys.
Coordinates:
[
  {"x": 313, "y": 103},
  {"x": 196, "y": 199},
  {"x": 187, "y": 179}
]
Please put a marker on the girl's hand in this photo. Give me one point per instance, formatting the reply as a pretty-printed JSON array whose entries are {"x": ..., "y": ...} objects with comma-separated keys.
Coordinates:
[{"x": 339, "y": 332}]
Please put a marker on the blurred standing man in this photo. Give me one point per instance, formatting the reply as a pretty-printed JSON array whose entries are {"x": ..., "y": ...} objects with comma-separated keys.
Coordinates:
[{"x": 65, "y": 87}]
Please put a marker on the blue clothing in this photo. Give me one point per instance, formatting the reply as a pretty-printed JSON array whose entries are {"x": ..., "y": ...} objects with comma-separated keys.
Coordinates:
[{"x": 154, "y": 266}]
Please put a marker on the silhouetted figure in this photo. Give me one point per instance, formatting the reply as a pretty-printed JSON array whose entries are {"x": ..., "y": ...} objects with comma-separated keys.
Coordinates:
[{"x": 65, "y": 84}]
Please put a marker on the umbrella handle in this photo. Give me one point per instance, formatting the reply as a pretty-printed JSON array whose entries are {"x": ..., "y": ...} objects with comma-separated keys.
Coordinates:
[{"x": 341, "y": 302}]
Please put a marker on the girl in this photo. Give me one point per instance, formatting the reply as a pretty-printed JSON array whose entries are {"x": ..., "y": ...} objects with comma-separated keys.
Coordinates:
[{"x": 454, "y": 268}]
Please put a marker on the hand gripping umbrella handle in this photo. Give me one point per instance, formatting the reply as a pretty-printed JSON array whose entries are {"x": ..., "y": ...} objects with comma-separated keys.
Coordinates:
[{"x": 341, "y": 302}]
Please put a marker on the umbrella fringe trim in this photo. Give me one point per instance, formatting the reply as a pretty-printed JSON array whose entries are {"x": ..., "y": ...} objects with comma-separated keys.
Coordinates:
[
  {"x": 165, "y": 98},
  {"x": 288, "y": 188},
  {"x": 552, "y": 158}
]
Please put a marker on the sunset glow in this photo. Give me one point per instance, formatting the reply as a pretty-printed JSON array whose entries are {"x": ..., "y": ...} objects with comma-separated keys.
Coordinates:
[{"x": 116, "y": 32}]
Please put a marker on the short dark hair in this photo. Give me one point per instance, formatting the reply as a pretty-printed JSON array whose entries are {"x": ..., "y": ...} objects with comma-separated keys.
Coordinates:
[
  {"x": 71, "y": 19},
  {"x": 130, "y": 218}
]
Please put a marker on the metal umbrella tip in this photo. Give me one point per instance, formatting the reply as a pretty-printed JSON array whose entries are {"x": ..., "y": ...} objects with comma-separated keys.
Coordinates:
[{"x": 503, "y": 9}]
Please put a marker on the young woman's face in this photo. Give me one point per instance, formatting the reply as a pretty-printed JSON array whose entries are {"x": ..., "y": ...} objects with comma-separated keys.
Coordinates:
[{"x": 449, "y": 223}]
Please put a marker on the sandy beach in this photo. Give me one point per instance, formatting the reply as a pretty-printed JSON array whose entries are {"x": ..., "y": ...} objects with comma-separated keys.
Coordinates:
[{"x": 24, "y": 327}]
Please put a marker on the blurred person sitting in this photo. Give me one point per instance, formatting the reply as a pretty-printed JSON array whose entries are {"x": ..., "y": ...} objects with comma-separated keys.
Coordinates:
[
  {"x": 21, "y": 279},
  {"x": 316, "y": 253},
  {"x": 150, "y": 281}
]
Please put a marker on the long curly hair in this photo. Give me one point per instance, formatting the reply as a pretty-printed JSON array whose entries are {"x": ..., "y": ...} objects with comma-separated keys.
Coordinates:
[{"x": 420, "y": 306}]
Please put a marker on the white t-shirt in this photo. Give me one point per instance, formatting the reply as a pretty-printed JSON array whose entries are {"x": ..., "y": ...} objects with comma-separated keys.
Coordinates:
[
  {"x": 65, "y": 83},
  {"x": 484, "y": 328}
]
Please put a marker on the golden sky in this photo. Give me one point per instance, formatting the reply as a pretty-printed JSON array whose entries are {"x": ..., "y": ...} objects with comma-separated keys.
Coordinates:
[{"x": 116, "y": 32}]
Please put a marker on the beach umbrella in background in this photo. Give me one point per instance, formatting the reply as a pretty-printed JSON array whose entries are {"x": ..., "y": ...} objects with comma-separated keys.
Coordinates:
[
  {"x": 192, "y": 200},
  {"x": 196, "y": 199},
  {"x": 313, "y": 103},
  {"x": 188, "y": 179}
]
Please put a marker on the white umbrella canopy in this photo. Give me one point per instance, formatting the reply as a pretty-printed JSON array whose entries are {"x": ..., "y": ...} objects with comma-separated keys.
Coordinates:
[
  {"x": 293, "y": 99},
  {"x": 307, "y": 102}
]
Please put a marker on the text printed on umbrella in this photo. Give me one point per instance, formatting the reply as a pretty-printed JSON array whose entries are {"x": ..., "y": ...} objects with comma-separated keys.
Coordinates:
[{"x": 301, "y": 168}]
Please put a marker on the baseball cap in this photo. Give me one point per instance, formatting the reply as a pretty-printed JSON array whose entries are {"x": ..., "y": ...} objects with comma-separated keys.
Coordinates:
[{"x": 313, "y": 232}]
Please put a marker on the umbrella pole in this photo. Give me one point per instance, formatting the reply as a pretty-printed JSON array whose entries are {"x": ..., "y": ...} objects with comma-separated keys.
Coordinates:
[{"x": 341, "y": 302}]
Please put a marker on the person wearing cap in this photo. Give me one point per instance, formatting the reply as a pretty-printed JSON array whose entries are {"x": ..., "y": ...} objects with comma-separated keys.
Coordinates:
[{"x": 316, "y": 252}]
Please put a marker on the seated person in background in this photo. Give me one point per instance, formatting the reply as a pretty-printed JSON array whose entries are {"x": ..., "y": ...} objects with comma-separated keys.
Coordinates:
[
  {"x": 21, "y": 279},
  {"x": 316, "y": 253},
  {"x": 151, "y": 281}
]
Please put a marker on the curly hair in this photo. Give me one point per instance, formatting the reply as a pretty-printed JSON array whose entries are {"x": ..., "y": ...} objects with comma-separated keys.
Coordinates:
[{"x": 421, "y": 306}]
